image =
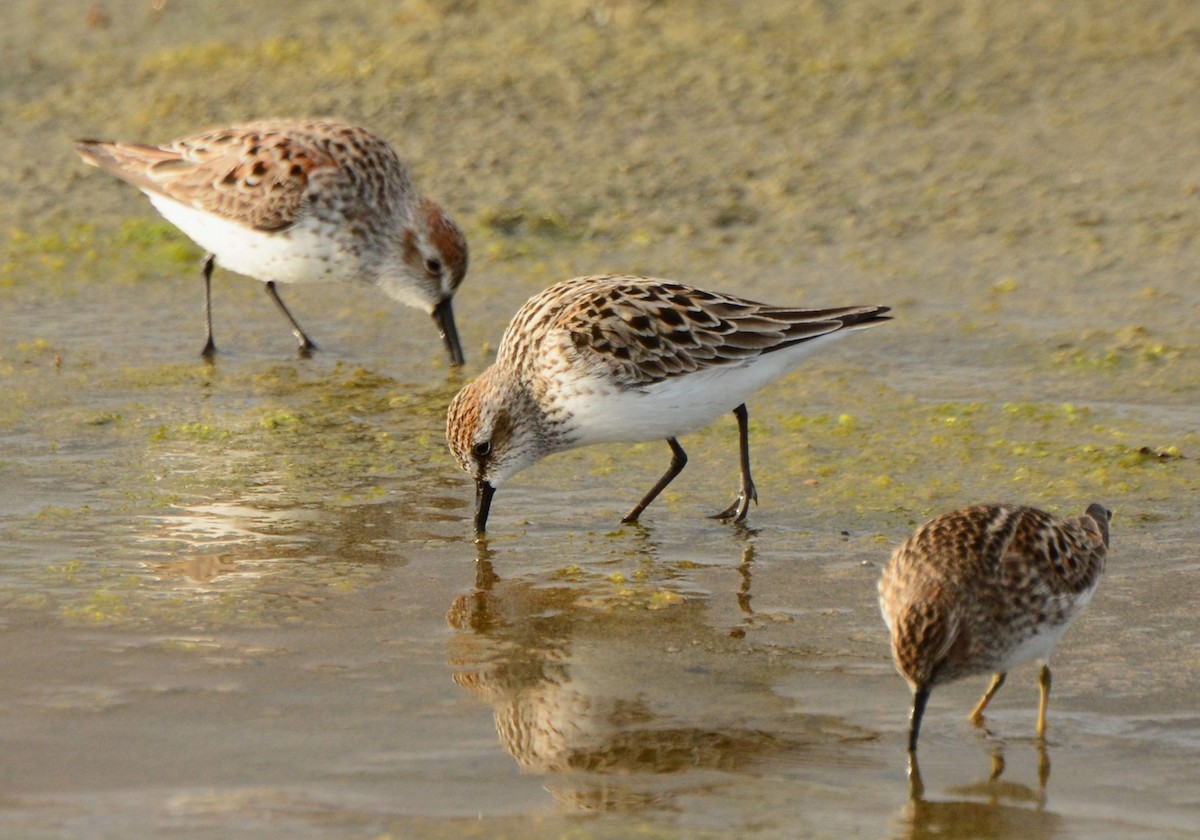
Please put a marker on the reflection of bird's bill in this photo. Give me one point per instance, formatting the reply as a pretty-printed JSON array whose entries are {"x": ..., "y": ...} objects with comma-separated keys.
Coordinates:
[
  {"x": 443, "y": 316},
  {"x": 916, "y": 788},
  {"x": 483, "y": 504},
  {"x": 993, "y": 785}
]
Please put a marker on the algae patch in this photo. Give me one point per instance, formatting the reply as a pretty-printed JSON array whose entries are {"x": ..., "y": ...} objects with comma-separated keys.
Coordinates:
[{"x": 915, "y": 458}]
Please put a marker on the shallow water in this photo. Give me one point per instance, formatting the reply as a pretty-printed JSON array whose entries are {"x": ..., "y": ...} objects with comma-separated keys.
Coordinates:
[{"x": 242, "y": 599}]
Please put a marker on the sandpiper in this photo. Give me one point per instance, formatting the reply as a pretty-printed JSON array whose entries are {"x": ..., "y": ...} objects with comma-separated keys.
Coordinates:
[
  {"x": 290, "y": 201},
  {"x": 620, "y": 358},
  {"x": 985, "y": 589}
]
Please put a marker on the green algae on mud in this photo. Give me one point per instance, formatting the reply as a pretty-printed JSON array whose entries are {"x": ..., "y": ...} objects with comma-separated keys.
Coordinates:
[
  {"x": 915, "y": 458},
  {"x": 143, "y": 248},
  {"x": 353, "y": 426}
]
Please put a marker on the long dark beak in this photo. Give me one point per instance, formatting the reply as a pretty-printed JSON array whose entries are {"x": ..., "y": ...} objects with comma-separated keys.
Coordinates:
[
  {"x": 483, "y": 504},
  {"x": 443, "y": 316}
]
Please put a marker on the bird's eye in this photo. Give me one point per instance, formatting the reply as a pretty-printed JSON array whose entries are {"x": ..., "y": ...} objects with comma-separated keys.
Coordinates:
[
  {"x": 482, "y": 449},
  {"x": 433, "y": 266}
]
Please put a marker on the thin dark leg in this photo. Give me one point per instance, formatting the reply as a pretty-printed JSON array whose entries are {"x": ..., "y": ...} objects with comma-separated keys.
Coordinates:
[
  {"x": 306, "y": 345},
  {"x": 737, "y": 511},
  {"x": 206, "y": 269},
  {"x": 678, "y": 462},
  {"x": 920, "y": 698}
]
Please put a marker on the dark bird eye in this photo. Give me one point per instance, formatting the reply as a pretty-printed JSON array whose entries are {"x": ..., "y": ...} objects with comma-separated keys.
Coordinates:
[
  {"x": 433, "y": 266},
  {"x": 482, "y": 449}
]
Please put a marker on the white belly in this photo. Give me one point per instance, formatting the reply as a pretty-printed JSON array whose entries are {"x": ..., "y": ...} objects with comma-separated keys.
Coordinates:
[
  {"x": 1039, "y": 645},
  {"x": 603, "y": 413},
  {"x": 296, "y": 255}
]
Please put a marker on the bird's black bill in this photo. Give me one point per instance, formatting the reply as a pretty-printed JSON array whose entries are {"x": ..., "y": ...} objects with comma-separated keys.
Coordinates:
[
  {"x": 920, "y": 698},
  {"x": 443, "y": 316},
  {"x": 483, "y": 504}
]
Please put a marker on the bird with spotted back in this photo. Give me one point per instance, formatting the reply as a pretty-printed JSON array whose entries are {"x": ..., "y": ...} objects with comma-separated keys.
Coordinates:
[
  {"x": 984, "y": 589},
  {"x": 621, "y": 358},
  {"x": 289, "y": 201}
]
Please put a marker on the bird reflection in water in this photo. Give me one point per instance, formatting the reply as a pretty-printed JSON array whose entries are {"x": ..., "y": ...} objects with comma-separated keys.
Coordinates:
[
  {"x": 743, "y": 595},
  {"x": 238, "y": 543},
  {"x": 630, "y": 700},
  {"x": 994, "y": 807},
  {"x": 218, "y": 540}
]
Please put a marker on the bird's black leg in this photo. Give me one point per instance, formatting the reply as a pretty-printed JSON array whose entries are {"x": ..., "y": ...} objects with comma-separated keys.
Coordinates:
[
  {"x": 206, "y": 269},
  {"x": 306, "y": 345},
  {"x": 737, "y": 511},
  {"x": 678, "y": 462}
]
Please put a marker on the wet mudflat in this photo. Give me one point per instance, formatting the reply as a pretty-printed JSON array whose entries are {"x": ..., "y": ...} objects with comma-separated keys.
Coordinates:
[{"x": 244, "y": 600}]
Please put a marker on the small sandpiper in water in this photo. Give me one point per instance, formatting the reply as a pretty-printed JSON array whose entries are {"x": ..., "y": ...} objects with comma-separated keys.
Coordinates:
[
  {"x": 298, "y": 202},
  {"x": 618, "y": 358},
  {"x": 985, "y": 589}
]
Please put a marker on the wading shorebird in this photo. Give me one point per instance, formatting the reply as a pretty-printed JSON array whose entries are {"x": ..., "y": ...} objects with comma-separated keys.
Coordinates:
[
  {"x": 618, "y": 358},
  {"x": 984, "y": 589},
  {"x": 290, "y": 201}
]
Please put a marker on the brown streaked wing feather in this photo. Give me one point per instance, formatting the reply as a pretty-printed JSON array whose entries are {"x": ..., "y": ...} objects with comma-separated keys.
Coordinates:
[
  {"x": 128, "y": 161},
  {"x": 643, "y": 330},
  {"x": 255, "y": 176},
  {"x": 925, "y": 637},
  {"x": 1064, "y": 548}
]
